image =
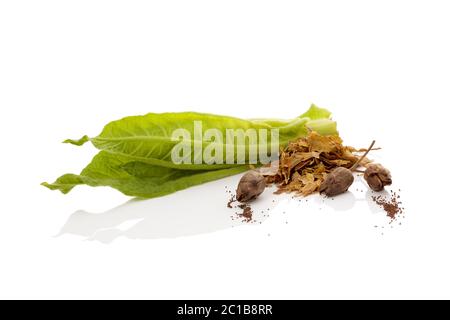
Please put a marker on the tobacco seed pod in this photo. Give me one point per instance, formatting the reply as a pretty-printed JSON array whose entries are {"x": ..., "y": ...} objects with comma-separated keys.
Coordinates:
[
  {"x": 377, "y": 176},
  {"x": 337, "y": 181},
  {"x": 251, "y": 185}
]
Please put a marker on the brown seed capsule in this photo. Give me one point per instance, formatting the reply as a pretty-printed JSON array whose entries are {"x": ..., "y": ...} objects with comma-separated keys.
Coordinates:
[
  {"x": 337, "y": 181},
  {"x": 251, "y": 185},
  {"x": 377, "y": 176}
]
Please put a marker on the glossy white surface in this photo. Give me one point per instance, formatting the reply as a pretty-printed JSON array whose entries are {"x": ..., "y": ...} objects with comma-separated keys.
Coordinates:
[{"x": 66, "y": 69}]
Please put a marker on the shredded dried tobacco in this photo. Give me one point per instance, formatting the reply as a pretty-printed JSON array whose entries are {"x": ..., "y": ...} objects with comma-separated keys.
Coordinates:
[{"x": 305, "y": 163}]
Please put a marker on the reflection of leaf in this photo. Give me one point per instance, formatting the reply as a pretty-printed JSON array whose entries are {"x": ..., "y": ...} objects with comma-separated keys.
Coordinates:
[{"x": 136, "y": 178}]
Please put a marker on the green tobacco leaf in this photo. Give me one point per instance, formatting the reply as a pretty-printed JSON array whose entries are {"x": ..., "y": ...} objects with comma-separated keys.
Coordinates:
[
  {"x": 78, "y": 142},
  {"x": 315, "y": 113},
  {"x": 322, "y": 126},
  {"x": 135, "y": 156},
  {"x": 148, "y": 138},
  {"x": 137, "y": 178}
]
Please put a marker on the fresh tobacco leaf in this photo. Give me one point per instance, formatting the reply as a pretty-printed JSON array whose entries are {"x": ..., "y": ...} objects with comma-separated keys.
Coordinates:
[
  {"x": 135, "y": 152},
  {"x": 137, "y": 178},
  {"x": 148, "y": 138},
  {"x": 314, "y": 114}
]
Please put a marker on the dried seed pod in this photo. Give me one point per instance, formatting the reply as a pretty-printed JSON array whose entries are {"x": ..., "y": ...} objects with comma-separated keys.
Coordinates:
[
  {"x": 340, "y": 179},
  {"x": 251, "y": 185},
  {"x": 377, "y": 176},
  {"x": 337, "y": 181}
]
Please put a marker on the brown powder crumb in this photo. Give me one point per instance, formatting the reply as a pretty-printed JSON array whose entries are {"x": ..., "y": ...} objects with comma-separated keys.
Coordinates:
[
  {"x": 247, "y": 214},
  {"x": 390, "y": 204},
  {"x": 231, "y": 201}
]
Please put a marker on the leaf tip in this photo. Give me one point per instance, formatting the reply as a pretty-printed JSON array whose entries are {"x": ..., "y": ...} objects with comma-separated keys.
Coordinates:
[
  {"x": 78, "y": 142},
  {"x": 50, "y": 186},
  {"x": 57, "y": 186},
  {"x": 314, "y": 113}
]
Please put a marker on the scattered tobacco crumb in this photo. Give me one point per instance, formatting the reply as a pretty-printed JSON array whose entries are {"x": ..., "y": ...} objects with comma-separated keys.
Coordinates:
[
  {"x": 247, "y": 214},
  {"x": 390, "y": 204},
  {"x": 231, "y": 201}
]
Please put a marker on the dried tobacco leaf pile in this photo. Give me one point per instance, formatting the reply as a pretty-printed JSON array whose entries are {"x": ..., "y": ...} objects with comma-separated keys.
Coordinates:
[
  {"x": 305, "y": 163},
  {"x": 317, "y": 163}
]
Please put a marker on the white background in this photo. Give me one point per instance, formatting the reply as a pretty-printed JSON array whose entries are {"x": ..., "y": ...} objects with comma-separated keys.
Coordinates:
[{"x": 69, "y": 67}]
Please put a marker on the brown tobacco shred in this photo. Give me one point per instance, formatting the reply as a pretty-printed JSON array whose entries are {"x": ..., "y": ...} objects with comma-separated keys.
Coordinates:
[
  {"x": 390, "y": 204},
  {"x": 305, "y": 163}
]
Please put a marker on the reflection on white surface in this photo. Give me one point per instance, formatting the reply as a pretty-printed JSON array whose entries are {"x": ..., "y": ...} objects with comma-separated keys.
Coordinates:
[
  {"x": 150, "y": 219},
  {"x": 348, "y": 200},
  {"x": 342, "y": 202},
  {"x": 194, "y": 211},
  {"x": 202, "y": 210}
]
